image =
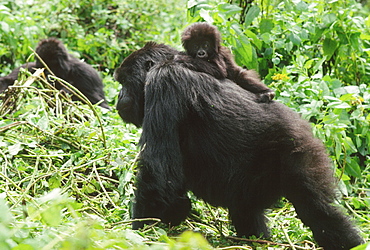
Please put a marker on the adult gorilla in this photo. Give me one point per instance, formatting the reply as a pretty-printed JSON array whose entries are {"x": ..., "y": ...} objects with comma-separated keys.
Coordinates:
[{"x": 214, "y": 138}]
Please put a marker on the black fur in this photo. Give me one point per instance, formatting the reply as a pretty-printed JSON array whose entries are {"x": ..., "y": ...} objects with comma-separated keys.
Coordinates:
[
  {"x": 202, "y": 43},
  {"x": 210, "y": 137},
  {"x": 8, "y": 80},
  {"x": 65, "y": 66}
]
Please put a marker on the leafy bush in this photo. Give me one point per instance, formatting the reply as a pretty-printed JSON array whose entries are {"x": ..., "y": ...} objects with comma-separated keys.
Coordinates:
[{"x": 67, "y": 169}]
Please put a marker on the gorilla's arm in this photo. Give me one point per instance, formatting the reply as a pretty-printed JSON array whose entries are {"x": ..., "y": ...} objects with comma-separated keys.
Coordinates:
[
  {"x": 247, "y": 79},
  {"x": 161, "y": 179}
]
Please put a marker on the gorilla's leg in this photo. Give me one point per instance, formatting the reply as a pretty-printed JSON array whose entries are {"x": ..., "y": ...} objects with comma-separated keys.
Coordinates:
[
  {"x": 152, "y": 202},
  {"x": 308, "y": 185},
  {"x": 249, "y": 204},
  {"x": 172, "y": 213},
  {"x": 249, "y": 221}
]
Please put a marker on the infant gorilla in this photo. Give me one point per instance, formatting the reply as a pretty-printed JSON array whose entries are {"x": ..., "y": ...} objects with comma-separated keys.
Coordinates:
[{"x": 204, "y": 53}]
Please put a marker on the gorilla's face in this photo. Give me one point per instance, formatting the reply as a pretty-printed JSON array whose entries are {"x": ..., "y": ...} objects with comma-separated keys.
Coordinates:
[{"x": 131, "y": 74}]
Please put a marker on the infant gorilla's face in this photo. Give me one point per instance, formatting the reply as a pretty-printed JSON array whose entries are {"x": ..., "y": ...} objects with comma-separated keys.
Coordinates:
[{"x": 201, "y": 49}]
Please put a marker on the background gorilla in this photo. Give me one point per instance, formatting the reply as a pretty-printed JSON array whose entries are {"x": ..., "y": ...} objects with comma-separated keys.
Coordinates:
[
  {"x": 202, "y": 42},
  {"x": 65, "y": 66},
  {"x": 8, "y": 80},
  {"x": 210, "y": 137}
]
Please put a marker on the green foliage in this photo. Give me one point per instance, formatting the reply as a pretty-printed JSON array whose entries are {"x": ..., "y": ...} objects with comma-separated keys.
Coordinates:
[
  {"x": 67, "y": 169},
  {"x": 334, "y": 35},
  {"x": 48, "y": 212},
  {"x": 87, "y": 27}
]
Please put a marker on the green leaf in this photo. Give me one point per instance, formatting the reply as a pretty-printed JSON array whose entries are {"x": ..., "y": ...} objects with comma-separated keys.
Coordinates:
[
  {"x": 329, "y": 47},
  {"x": 349, "y": 145},
  {"x": 266, "y": 25},
  {"x": 252, "y": 13},
  {"x": 23, "y": 246},
  {"x": 356, "y": 203},
  {"x": 365, "y": 37},
  {"x": 244, "y": 52},
  {"x": 339, "y": 105},
  {"x": 346, "y": 97},
  {"x": 194, "y": 241},
  {"x": 52, "y": 215},
  {"x": 353, "y": 168},
  {"x": 14, "y": 149},
  {"x": 256, "y": 41},
  {"x": 338, "y": 148},
  {"x": 5, "y": 27},
  {"x": 55, "y": 181},
  {"x": 367, "y": 22},
  {"x": 355, "y": 41},
  {"x": 133, "y": 237},
  {"x": 365, "y": 246},
  {"x": 43, "y": 122},
  {"x": 294, "y": 38},
  {"x": 339, "y": 91},
  {"x": 6, "y": 216},
  {"x": 302, "y": 6},
  {"x": 205, "y": 14},
  {"x": 275, "y": 60},
  {"x": 229, "y": 10},
  {"x": 318, "y": 64},
  {"x": 192, "y": 3},
  {"x": 352, "y": 89},
  {"x": 328, "y": 19}
]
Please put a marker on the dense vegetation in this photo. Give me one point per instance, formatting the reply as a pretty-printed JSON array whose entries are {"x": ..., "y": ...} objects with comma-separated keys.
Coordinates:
[{"x": 67, "y": 170}]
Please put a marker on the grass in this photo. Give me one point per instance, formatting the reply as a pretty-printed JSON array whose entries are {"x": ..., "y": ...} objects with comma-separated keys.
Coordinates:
[{"x": 67, "y": 168}]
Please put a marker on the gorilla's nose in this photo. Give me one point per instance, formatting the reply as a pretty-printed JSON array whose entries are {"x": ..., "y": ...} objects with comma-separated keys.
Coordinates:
[{"x": 201, "y": 54}]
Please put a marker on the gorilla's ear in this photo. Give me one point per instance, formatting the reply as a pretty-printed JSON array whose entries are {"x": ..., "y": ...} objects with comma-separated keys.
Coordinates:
[{"x": 148, "y": 65}]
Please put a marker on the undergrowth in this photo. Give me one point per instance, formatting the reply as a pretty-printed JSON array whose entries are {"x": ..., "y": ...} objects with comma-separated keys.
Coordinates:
[{"x": 67, "y": 168}]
